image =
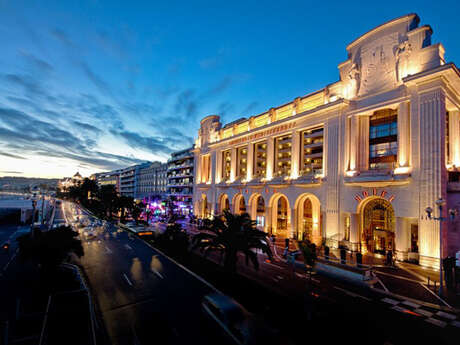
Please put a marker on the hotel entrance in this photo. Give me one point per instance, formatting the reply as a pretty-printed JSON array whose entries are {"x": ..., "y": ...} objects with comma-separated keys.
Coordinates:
[{"x": 377, "y": 226}]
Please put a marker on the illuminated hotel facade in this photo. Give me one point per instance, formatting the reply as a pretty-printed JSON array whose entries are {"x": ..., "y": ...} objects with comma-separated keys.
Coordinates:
[{"x": 353, "y": 164}]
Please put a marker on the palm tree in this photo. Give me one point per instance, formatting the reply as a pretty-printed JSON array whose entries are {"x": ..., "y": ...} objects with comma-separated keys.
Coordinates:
[{"x": 230, "y": 234}]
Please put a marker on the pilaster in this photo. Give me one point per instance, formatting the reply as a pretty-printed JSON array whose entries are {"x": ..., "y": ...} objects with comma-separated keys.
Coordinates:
[
  {"x": 454, "y": 138},
  {"x": 404, "y": 135},
  {"x": 295, "y": 154},
  {"x": 250, "y": 162},
  {"x": 233, "y": 165},
  {"x": 270, "y": 158}
]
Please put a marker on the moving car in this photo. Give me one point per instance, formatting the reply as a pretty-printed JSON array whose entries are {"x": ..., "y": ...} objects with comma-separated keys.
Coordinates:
[{"x": 230, "y": 316}]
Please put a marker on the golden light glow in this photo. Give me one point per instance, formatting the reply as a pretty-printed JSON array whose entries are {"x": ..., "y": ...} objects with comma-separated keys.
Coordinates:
[
  {"x": 350, "y": 173},
  {"x": 402, "y": 170}
]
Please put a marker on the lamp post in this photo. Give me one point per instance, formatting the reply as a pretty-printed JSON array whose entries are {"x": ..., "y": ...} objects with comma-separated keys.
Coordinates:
[{"x": 452, "y": 213}]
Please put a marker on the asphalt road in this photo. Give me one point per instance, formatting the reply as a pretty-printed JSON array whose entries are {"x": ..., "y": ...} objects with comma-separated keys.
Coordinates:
[{"x": 144, "y": 297}]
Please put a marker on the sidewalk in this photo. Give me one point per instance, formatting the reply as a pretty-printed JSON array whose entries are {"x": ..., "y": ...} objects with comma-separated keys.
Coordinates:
[{"x": 403, "y": 279}]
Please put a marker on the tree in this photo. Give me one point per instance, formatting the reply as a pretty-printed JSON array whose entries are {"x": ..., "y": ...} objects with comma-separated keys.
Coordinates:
[
  {"x": 124, "y": 203},
  {"x": 230, "y": 234},
  {"x": 108, "y": 197},
  {"x": 50, "y": 248},
  {"x": 136, "y": 210}
]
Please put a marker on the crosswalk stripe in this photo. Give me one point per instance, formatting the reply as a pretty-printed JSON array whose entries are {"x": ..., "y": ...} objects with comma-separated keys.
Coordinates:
[
  {"x": 446, "y": 315},
  {"x": 411, "y": 304},
  {"x": 436, "y": 322},
  {"x": 390, "y": 301},
  {"x": 424, "y": 312},
  {"x": 455, "y": 323}
]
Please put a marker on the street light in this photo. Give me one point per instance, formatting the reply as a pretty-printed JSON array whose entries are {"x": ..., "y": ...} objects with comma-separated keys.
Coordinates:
[{"x": 452, "y": 213}]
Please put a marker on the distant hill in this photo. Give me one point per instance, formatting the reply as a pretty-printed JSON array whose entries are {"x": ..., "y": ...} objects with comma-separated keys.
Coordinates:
[{"x": 18, "y": 183}]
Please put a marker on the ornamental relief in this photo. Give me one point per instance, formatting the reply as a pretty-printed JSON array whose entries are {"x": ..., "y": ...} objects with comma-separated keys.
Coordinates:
[{"x": 378, "y": 64}]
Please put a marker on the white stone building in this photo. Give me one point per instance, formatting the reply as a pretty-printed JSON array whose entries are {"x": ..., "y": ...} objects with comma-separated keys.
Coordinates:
[{"x": 355, "y": 163}]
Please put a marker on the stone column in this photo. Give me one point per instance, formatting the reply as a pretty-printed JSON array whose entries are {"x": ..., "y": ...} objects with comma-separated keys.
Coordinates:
[
  {"x": 433, "y": 176},
  {"x": 233, "y": 165},
  {"x": 213, "y": 167},
  {"x": 354, "y": 231},
  {"x": 268, "y": 219},
  {"x": 292, "y": 222},
  {"x": 454, "y": 138},
  {"x": 363, "y": 143},
  {"x": 295, "y": 154},
  {"x": 403, "y": 135},
  {"x": 401, "y": 238},
  {"x": 354, "y": 143},
  {"x": 250, "y": 162},
  {"x": 218, "y": 167},
  {"x": 270, "y": 158}
]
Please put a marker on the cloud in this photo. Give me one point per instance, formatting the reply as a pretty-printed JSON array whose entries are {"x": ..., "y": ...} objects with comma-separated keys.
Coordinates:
[
  {"x": 96, "y": 80},
  {"x": 250, "y": 107},
  {"x": 155, "y": 145},
  {"x": 35, "y": 62},
  {"x": 6, "y": 154},
  {"x": 86, "y": 127},
  {"x": 29, "y": 85},
  {"x": 24, "y": 133},
  {"x": 10, "y": 172},
  {"x": 62, "y": 37}
]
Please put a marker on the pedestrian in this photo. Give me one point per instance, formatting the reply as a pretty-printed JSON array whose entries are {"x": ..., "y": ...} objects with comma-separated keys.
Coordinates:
[
  {"x": 273, "y": 238},
  {"x": 286, "y": 242}
]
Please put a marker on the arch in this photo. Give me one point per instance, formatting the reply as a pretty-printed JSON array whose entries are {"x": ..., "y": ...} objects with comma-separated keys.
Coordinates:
[
  {"x": 257, "y": 209},
  {"x": 308, "y": 222},
  {"x": 377, "y": 225},
  {"x": 224, "y": 203},
  {"x": 239, "y": 204},
  {"x": 280, "y": 215}
]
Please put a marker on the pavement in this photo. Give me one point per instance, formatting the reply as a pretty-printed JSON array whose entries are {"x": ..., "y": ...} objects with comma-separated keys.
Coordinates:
[{"x": 143, "y": 296}]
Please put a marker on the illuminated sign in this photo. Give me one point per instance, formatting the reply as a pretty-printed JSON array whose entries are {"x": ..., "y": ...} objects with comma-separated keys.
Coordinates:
[
  {"x": 264, "y": 133},
  {"x": 383, "y": 194}
]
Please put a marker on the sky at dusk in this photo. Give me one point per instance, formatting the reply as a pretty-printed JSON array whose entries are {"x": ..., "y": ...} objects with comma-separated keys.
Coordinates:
[{"x": 92, "y": 86}]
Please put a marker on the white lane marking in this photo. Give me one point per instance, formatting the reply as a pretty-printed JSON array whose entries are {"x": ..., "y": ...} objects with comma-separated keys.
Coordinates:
[
  {"x": 11, "y": 260},
  {"x": 279, "y": 277},
  {"x": 455, "y": 324},
  {"x": 411, "y": 304},
  {"x": 424, "y": 312},
  {"x": 157, "y": 273},
  {"x": 383, "y": 285},
  {"x": 108, "y": 250},
  {"x": 127, "y": 246},
  {"x": 127, "y": 279},
  {"x": 436, "y": 322},
  {"x": 304, "y": 276},
  {"x": 446, "y": 315},
  {"x": 435, "y": 295},
  {"x": 352, "y": 294}
]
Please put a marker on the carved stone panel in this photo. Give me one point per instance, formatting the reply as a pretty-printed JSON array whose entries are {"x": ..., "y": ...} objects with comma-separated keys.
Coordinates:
[{"x": 378, "y": 64}]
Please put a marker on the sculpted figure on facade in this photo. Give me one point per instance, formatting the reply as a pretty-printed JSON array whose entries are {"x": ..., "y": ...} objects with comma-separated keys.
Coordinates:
[
  {"x": 402, "y": 56},
  {"x": 354, "y": 80}
]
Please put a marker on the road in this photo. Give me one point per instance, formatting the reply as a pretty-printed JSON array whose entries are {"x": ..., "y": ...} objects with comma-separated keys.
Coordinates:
[{"x": 143, "y": 296}]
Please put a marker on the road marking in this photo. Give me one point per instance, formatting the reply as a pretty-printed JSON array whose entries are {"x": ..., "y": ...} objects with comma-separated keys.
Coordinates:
[
  {"x": 424, "y": 312},
  {"x": 108, "y": 250},
  {"x": 436, "y": 322},
  {"x": 127, "y": 246},
  {"x": 435, "y": 295},
  {"x": 304, "y": 276},
  {"x": 352, "y": 294},
  {"x": 411, "y": 304},
  {"x": 397, "y": 308},
  {"x": 11, "y": 260},
  {"x": 157, "y": 273},
  {"x": 390, "y": 301},
  {"x": 455, "y": 324},
  {"x": 383, "y": 285},
  {"x": 127, "y": 279},
  {"x": 446, "y": 315}
]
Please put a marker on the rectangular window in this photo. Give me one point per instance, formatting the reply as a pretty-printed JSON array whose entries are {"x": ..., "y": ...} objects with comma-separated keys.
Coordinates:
[
  {"x": 383, "y": 139},
  {"x": 312, "y": 151},
  {"x": 283, "y": 155},
  {"x": 242, "y": 154},
  {"x": 260, "y": 159},
  {"x": 226, "y": 165}
]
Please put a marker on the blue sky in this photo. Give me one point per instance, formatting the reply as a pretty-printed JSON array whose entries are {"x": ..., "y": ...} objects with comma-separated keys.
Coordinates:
[{"x": 97, "y": 85}]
